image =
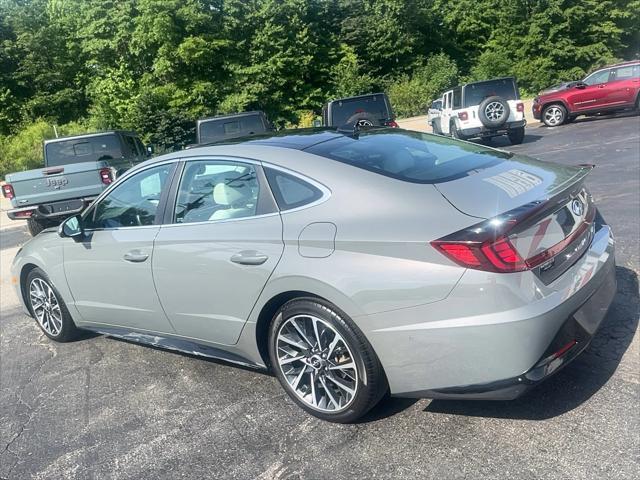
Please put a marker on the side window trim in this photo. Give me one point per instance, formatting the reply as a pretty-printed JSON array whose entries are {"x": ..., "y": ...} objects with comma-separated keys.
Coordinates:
[{"x": 91, "y": 210}]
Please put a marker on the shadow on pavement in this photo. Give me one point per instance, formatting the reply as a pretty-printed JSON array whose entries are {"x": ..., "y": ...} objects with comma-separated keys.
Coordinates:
[
  {"x": 581, "y": 379},
  {"x": 503, "y": 141}
]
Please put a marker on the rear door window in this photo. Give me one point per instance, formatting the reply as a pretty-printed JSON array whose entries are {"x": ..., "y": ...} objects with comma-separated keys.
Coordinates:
[
  {"x": 457, "y": 98},
  {"x": 626, "y": 73},
  {"x": 99, "y": 147}
]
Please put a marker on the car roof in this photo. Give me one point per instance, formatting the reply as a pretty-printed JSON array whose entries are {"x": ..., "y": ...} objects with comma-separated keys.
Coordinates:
[
  {"x": 89, "y": 135},
  {"x": 297, "y": 139}
]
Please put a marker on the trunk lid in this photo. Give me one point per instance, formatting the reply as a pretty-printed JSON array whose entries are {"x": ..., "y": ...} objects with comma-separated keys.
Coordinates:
[{"x": 509, "y": 184}]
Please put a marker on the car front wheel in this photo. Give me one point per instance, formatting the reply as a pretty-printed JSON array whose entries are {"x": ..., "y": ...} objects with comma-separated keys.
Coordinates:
[
  {"x": 323, "y": 361},
  {"x": 48, "y": 308},
  {"x": 554, "y": 115}
]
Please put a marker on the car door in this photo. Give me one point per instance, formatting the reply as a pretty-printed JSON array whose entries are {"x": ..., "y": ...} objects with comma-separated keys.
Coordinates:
[
  {"x": 224, "y": 241},
  {"x": 109, "y": 270},
  {"x": 591, "y": 94},
  {"x": 625, "y": 83}
]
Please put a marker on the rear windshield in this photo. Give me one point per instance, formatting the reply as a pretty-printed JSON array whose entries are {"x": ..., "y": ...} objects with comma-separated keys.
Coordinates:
[
  {"x": 78, "y": 150},
  {"x": 343, "y": 110},
  {"x": 220, "y": 129},
  {"x": 410, "y": 156},
  {"x": 474, "y": 93}
]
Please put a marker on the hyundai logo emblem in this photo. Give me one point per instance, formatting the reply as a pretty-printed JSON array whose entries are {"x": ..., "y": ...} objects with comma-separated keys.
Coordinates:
[{"x": 577, "y": 207}]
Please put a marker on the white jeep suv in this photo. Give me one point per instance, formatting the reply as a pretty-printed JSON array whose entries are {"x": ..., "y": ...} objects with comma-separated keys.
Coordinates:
[{"x": 481, "y": 109}]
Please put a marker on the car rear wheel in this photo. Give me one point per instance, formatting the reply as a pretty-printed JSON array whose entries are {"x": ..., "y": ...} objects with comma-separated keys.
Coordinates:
[
  {"x": 48, "y": 308},
  {"x": 516, "y": 135},
  {"x": 324, "y": 363},
  {"x": 554, "y": 115}
]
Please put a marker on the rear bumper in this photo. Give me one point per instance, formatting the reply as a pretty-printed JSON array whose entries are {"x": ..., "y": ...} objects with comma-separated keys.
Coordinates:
[
  {"x": 484, "y": 131},
  {"x": 493, "y": 336},
  {"x": 52, "y": 210},
  {"x": 571, "y": 340}
]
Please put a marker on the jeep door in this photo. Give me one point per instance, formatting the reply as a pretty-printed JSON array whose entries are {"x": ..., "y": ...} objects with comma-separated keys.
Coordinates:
[{"x": 222, "y": 241}]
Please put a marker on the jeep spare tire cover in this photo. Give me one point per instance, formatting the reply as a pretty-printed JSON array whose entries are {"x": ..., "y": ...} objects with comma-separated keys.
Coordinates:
[
  {"x": 493, "y": 112},
  {"x": 363, "y": 119}
]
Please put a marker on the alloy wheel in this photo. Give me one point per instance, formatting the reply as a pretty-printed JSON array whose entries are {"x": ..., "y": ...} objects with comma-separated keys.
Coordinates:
[
  {"x": 553, "y": 116},
  {"x": 317, "y": 363},
  {"x": 494, "y": 111},
  {"x": 45, "y": 306}
]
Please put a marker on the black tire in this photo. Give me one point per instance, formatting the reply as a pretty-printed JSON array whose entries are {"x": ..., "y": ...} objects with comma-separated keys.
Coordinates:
[
  {"x": 493, "y": 112},
  {"x": 435, "y": 129},
  {"x": 554, "y": 115},
  {"x": 371, "y": 382},
  {"x": 67, "y": 329},
  {"x": 35, "y": 225},
  {"x": 364, "y": 119},
  {"x": 516, "y": 135},
  {"x": 455, "y": 132}
]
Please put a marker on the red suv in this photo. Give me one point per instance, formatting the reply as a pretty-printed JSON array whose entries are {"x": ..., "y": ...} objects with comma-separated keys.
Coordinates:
[{"x": 608, "y": 89}]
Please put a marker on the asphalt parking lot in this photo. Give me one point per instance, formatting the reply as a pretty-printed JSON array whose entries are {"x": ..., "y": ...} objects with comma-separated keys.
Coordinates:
[{"x": 103, "y": 408}]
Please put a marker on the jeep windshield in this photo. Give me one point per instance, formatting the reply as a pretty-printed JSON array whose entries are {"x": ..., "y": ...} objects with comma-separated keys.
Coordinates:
[
  {"x": 475, "y": 93},
  {"x": 343, "y": 110},
  {"x": 84, "y": 149}
]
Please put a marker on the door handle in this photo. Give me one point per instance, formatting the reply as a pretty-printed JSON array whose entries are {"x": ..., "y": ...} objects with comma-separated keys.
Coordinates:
[
  {"x": 249, "y": 257},
  {"x": 601, "y": 86},
  {"x": 135, "y": 256}
]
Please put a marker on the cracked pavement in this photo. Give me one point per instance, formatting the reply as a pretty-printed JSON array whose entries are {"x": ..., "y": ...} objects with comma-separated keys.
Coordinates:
[{"x": 103, "y": 408}]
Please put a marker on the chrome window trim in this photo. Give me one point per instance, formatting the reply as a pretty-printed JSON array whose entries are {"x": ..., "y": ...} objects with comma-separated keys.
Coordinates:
[{"x": 326, "y": 192}]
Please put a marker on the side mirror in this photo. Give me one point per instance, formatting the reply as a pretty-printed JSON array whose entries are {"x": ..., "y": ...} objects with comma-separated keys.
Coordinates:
[
  {"x": 149, "y": 149},
  {"x": 72, "y": 228},
  {"x": 580, "y": 85},
  {"x": 317, "y": 123}
]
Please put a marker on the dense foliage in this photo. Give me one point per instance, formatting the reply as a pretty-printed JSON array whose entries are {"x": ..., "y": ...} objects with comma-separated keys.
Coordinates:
[{"x": 157, "y": 65}]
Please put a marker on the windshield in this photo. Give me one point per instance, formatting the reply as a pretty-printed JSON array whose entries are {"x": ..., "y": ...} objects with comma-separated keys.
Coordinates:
[
  {"x": 475, "y": 93},
  {"x": 343, "y": 110},
  {"x": 410, "y": 156},
  {"x": 87, "y": 149},
  {"x": 223, "y": 128}
]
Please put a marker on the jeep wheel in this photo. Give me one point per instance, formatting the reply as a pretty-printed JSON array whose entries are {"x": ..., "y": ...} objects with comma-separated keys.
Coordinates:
[
  {"x": 493, "y": 112},
  {"x": 455, "y": 132},
  {"x": 554, "y": 115},
  {"x": 35, "y": 226},
  {"x": 516, "y": 135}
]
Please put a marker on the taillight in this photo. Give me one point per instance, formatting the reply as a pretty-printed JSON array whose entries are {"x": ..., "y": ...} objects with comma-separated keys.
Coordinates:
[
  {"x": 493, "y": 256},
  {"x": 393, "y": 124},
  {"x": 463, "y": 116},
  {"x": 520, "y": 107},
  {"x": 23, "y": 214},
  {"x": 106, "y": 175},
  {"x": 489, "y": 245},
  {"x": 7, "y": 191}
]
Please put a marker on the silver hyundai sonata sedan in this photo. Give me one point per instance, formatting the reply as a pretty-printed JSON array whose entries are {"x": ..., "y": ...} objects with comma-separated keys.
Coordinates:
[{"x": 351, "y": 264}]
